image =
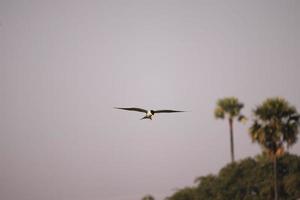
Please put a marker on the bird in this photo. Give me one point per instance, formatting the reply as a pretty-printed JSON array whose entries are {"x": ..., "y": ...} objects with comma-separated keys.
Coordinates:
[{"x": 149, "y": 113}]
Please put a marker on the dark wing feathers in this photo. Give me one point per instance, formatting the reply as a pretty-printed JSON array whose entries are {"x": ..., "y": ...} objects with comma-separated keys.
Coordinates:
[
  {"x": 133, "y": 109},
  {"x": 167, "y": 111}
]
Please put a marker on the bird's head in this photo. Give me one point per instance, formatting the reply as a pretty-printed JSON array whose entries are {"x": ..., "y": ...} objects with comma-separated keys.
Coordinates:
[{"x": 152, "y": 112}]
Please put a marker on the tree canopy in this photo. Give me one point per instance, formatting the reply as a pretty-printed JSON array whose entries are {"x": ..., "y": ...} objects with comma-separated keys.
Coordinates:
[
  {"x": 148, "y": 197},
  {"x": 248, "y": 179},
  {"x": 230, "y": 108},
  {"x": 275, "y": 126}
]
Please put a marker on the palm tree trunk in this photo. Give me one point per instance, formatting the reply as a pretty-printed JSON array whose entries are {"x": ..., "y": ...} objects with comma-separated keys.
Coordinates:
[
  {"x": 275, "y": 177},
  {"x": 231, "y": 139}
]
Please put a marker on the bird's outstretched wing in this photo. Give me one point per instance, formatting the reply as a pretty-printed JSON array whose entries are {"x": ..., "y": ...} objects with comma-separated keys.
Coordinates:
[
  {"x": 133, "y": 109},
  {"x": 167, "y": 111}
]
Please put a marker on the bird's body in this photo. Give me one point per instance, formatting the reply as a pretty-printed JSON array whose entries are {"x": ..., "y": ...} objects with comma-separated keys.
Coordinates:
[{"x": 149, "y": 113}]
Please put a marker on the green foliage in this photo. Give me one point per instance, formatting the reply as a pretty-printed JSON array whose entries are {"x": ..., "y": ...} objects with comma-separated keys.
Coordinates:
[
  {"x": 275, "y": 124},
  {"x": 229, "y": 107},
  {"x": 248, "y": 179},
  {"x": 207, "y": 189},
  {"x": 183, "y": 194},
  {"x": 148, "y": 197}
]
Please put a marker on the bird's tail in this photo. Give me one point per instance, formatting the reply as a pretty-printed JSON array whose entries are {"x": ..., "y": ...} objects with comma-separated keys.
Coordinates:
[{"x": 146, "y": 118}]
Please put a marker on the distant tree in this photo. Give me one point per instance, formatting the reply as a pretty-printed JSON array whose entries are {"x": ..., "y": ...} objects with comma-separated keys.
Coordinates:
[
  {"x": 230, "y": 108},
  {"x": 148, "y": 197},
  {"x": 187, "y": 193},
  {"x": 275, "y": 127},
  {"x": 247, "y": 179},
  {"x": 208, "y": 188}
]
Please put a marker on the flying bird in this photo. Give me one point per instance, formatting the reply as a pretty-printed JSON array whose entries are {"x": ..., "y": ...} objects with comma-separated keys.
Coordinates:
[{"x": 149, "y": 113}]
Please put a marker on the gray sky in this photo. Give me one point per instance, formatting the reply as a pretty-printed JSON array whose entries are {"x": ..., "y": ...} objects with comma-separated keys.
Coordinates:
[{"x": 65, "y": 65}]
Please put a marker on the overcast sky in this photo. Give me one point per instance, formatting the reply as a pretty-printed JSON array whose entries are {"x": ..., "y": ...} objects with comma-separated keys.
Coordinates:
[{"x": 66, "y": 64}]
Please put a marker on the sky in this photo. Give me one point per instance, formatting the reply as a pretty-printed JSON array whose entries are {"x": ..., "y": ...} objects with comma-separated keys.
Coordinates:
[{"x": 65, "y": 64}]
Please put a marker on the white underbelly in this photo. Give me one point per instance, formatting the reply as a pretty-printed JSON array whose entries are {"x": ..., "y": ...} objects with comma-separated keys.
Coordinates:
[{"x": 148, "y": 114}]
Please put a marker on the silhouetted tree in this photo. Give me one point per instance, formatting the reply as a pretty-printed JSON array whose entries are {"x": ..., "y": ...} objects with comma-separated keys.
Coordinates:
[
  {"x": 230, "y": 108},
  {"x": 275, "y": 126},
  {"x": 148, "y": 197},
  {"x": 187, "y": 193},
  {"x": 247, "y": 179}
]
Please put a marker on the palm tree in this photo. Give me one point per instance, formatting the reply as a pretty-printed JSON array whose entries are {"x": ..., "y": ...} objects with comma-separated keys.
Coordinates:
[
  {"x": 275, "y": 126},
  {"x": 148, "y": 197},
  {"x": 230, "y": 108}
]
